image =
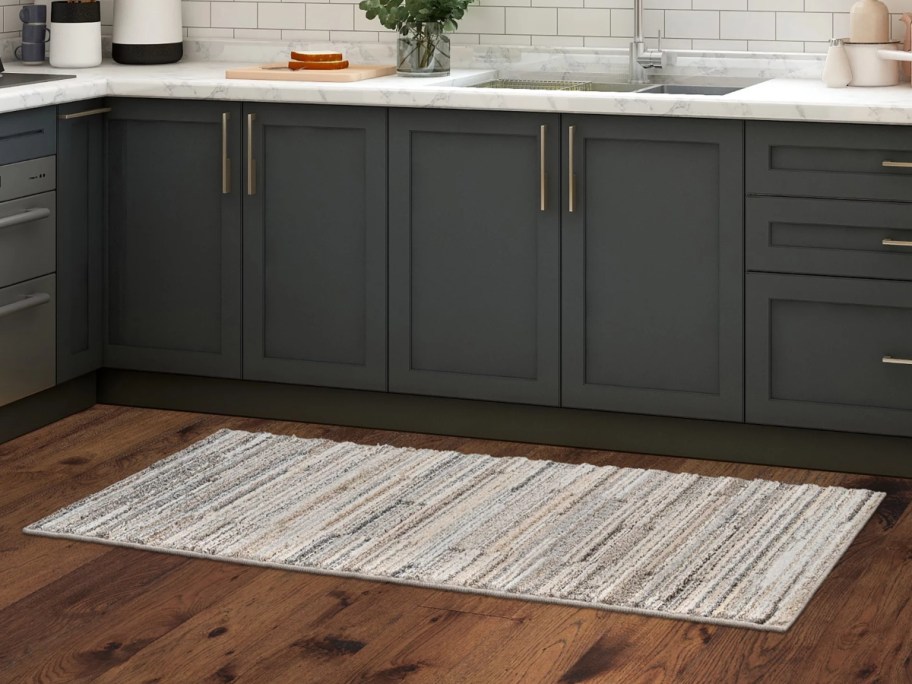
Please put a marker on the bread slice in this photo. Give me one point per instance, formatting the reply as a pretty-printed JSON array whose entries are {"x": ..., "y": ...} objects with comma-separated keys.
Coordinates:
[
  {"x": 324, "y": 66},
  {"x": 316, "y": 56}
]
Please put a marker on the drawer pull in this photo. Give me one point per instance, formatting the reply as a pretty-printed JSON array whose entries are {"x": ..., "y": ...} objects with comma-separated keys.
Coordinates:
[
  {"x": 251, "y": 162},
  {"x": 28, "y": 302},
  {"x": 88, "y": 112},
  {"x": 25, "y": 217},
  {"x": 896, "y": 361},
  {"x": 226, "y": 161},
  {"x": 896, "y": 165},
  {"x": 887, "y": 242},
  {"x": 571, "y": 175}
]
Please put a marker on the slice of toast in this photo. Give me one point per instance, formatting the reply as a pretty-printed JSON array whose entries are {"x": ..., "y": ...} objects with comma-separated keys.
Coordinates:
[
  {"x": 316, "y": 56},
  {"x": 323, "y": 66}
]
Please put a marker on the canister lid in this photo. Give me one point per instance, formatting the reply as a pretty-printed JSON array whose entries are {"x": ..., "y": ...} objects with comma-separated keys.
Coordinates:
[{"x": 63, "y": 12}]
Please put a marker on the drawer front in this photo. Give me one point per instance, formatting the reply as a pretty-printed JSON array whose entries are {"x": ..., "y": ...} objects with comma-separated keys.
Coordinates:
[
  {"x": 27, "y": 347},
  {"x": 829, "y": 237},
  {"x": 28, "y": 134},
  {"x": 842, "y": 161},
  {"x": 27, "y": 238},
  {"x": 830, "y": 353},
  {"x": 28, "y": 178}
]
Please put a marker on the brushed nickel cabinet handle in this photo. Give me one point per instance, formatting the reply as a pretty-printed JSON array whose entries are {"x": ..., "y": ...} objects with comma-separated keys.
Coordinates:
[
  {"x": 28, "y": 302},
  {"x": 897, "y": 361},
  {"x": 887, "y": 242},
  {"x": 571, "y": 175},
  {"x": 542, "y": 174},
  {"x": 226, "y": 161},
  {"x": 251, "y": 162},
  {"x": 896, "y": 164},
  {"x": 88, "y": 112},
  {"x": 25, "y": 217}
]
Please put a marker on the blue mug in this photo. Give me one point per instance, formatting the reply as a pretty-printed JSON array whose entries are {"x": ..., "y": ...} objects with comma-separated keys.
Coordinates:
[
  {"x": 31, "y": 53},
  {"x": 35, "y": 33},
  {"x": 33, "y": 14}
]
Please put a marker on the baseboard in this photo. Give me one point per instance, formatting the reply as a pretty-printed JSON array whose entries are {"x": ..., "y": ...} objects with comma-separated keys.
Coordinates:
[
  {"x": 767, "y": 445},
  {"x": 41, "y": 409}
]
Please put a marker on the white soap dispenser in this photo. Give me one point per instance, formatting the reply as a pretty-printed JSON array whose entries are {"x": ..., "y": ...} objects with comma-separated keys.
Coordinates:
[
  {"x": 147, "y": 32},
  {"x": 837, "y": 72}
]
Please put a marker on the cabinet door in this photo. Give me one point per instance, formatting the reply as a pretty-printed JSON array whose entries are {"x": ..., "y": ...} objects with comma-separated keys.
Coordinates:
[
  {"x": 80, "y": 231},
  {"x": 315, "y": 246},
  {"x": 173, "y": 299},
  {"x": 474, "y": 255},
  {"x": 653, "y": 267}
]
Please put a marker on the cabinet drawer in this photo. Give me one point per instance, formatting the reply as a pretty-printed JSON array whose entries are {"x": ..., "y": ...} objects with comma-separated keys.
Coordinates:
[
  {"x": 829, "y": 237},
  {"x": 828, "y": 160},
  {"x": 28, "y": 134},
  {"x": 829, "y": 353},
  {"x": 27, "y": 238},
  {"x": 27, "y": 349}
]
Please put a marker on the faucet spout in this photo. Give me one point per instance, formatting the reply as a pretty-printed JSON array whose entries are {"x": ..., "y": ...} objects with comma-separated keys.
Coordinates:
[{"x": 641, "y": 58}]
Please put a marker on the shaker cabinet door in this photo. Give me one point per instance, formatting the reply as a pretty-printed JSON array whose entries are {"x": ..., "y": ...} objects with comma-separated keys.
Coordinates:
[
  {"x": 173, "y": 301},
  {"x": 315, "y": 245},
  {"x": 474, "y": 255},
  {"x": 652, "y": 266}
]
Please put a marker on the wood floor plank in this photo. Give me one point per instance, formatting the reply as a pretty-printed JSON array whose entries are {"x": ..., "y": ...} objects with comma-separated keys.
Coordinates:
[{"x": 74, "y": 612}]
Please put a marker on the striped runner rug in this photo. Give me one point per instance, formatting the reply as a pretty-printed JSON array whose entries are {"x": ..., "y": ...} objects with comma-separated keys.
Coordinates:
[{"x": 723, "y": 550}]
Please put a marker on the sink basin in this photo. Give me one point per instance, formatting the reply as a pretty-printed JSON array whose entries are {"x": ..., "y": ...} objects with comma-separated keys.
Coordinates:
[
  {"x": 596, "y": 86},
  {"x": 687, "y": 89}
]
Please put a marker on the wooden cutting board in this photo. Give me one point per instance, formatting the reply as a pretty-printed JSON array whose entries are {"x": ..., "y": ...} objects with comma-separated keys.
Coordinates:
[{"x": 280, "y": 72}]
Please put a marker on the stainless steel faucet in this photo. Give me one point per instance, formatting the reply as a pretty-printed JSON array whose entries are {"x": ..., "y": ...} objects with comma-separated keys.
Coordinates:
[{"x": 642, "y": 58}]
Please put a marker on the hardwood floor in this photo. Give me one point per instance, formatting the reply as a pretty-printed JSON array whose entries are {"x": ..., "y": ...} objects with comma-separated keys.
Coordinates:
[{"x": 75, "y": 612}]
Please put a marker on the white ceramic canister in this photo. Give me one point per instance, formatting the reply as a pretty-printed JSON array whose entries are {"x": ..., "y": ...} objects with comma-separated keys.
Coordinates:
[
  {"x": 868, "y": 68},
  {"x": 75, "y": 34}
]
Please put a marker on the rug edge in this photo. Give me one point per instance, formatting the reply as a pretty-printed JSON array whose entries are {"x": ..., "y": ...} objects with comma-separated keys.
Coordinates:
[{"x": 35, "y": 532}]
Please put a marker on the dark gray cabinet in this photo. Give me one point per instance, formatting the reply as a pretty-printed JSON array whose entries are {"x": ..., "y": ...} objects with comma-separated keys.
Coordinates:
[
  {"x": 315, "y": 246},
  {"x": 173, "y": 295},
  {"x": 474, "y": 255},
  {"x": 832, "y": 353},
  {"x": 80, "y": 235},
  {"x": 653, "y": 266}
]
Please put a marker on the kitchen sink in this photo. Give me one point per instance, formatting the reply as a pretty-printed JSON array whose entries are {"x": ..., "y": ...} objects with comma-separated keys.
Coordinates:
[
  {"x": 687, "y": 89},
  {"x": 609, "y": 87}
]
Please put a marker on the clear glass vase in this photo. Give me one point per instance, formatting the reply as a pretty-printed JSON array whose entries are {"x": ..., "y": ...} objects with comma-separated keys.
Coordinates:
[{"x": 423, "y": 50}]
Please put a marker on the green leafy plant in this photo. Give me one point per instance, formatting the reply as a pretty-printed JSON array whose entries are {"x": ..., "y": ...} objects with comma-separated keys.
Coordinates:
[{"x": 403, "y": 15}]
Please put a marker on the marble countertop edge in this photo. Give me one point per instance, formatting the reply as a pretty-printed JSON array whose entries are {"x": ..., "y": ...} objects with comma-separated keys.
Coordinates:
[{"x": 774, "y": 99}]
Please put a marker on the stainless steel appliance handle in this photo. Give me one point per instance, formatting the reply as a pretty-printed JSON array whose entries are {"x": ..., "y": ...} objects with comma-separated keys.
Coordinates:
[
  {"x": 88, "y": 112},
  {"x": 226, "y": 161},
  {"x": 887, "y": 242},
  {"x": 897, "y": 361},
  {"x": 27, "y": 302},
  {"x": 251, "y": 162},
  {"x": 542, "y": 174},
  {"x": 25, "y": 217}
]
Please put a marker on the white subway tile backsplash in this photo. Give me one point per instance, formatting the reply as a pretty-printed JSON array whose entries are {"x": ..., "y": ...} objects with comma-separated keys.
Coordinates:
[
  {"x": 693, "y": 24},
  {"x": 756, "y": 25},
  {"x": 584, "y": 22},
  {"x": 540, "y": 20},
  {"x": 748, "y": 25},
  {"x": 804, "y": 27}
]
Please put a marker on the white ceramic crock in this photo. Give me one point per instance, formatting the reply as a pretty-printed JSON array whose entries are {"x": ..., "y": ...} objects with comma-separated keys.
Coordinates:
[{"x": 869, "y": 68}]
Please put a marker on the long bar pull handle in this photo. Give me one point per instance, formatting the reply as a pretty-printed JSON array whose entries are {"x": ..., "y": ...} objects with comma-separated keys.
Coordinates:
[
  {"x": 251, "y": 162},
  {"x": 28, "y": 302},
  {"x": 896, "y": 165},
  {"x": 897, "y": 361},
  {"x": 571, "y": 174},
  {"x": 25, "y": 217},
  {"x": 226, "y": 161},
  {"x": 542, "y": 174},
  {"x": 887, "y": 242},
  {"x": 88, "y": 112}
]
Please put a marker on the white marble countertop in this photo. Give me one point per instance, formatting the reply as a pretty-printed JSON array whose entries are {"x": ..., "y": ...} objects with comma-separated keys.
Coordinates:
[{"x": 777, "y": 98}]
